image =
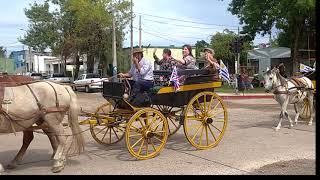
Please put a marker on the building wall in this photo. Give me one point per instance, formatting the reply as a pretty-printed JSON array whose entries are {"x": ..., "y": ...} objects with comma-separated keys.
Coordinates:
[
  {"x": 124, "y": 63},
  {"x": 7, "y": 65}
]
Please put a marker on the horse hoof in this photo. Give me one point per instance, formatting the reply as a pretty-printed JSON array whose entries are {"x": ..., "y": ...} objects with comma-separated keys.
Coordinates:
[
  {"x": 276, "y": 129},
  {"x": 1, "y": 169},
  {"x": 310, "y": 124},
  {"x": 57, "y": 169}
]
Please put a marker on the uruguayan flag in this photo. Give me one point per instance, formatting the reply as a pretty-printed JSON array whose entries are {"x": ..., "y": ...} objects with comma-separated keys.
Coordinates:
[
  {"x": 305, "y": 69},
  {"x": 224, "y": 73}
]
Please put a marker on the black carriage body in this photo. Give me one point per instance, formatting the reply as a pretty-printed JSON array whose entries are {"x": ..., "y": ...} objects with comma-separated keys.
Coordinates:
[{"x": 194, "y": 78}]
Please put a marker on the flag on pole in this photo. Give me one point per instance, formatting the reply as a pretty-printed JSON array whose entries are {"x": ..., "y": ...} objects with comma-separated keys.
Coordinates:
[
  {"x": 224, "y": 72},
  {"x": 175, "y": 79},
  {"x": 305, "y": 69}
]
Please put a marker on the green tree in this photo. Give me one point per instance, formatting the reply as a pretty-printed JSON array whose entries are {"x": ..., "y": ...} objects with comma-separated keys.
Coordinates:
[
  {"x": 77, "y": 28},
  {"x": 2, "y": 52},
  {"x": 292, "y": 17},
  {"x": 200, "y": 45}
]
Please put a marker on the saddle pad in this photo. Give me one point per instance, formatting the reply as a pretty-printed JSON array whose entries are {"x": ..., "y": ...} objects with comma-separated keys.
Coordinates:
[{"x": 298, "y": 82}]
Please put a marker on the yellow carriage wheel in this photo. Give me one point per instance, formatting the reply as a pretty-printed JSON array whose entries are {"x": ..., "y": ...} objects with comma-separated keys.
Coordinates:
[
  {"x": 173, "y": 116},
  {"x": 106, "y": 133},
  {"x": 205, "y": 120},
  {"x": 304, "y": 109},
  {"x": 146, "y": 133}
]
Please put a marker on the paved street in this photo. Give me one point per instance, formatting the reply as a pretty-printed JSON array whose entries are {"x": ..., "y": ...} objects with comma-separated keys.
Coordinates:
[{"x": 250, "y": 146}]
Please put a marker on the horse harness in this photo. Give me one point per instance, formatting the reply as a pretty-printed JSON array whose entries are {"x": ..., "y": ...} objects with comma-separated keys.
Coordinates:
[
  {"x": 299, "y": 84},
  {"x": 42, "y": 110}
]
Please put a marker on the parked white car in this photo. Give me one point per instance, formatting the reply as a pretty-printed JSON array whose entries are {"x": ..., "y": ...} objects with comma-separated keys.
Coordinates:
[
  {"x": 89, "y": 82},
  {"x": 59, "y": 78}
]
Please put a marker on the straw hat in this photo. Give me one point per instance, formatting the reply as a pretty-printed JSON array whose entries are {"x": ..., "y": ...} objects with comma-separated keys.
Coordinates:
[
  {"x": 137, "y": 50},
  {"x": 210, "y": 50}
]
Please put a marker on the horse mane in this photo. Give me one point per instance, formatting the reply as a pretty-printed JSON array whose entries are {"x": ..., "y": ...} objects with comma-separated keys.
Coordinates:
[{"x": 281, "y": 78}]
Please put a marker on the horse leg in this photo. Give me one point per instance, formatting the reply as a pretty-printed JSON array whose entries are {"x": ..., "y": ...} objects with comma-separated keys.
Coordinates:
[
  {"x": 285, "y": 110},
  {"x": 27, "y": 138},
  {"x": 280, "y": 121},
  {"x": 56, "y": 128},
  {"x": 310, "y": 98},
  {"x": 296, "y": 118},
  {"x": 53, "y": 141}
]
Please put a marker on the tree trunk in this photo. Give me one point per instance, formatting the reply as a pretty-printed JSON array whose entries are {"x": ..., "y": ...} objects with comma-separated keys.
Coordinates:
[
  {"x": 90, "y": 63},
  {"x": 295, "y": 50},
  {"x": 76, "y": 72}
]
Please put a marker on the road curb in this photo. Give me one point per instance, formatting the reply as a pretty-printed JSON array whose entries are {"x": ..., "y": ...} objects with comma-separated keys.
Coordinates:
[{"x": 246, "y": 97}]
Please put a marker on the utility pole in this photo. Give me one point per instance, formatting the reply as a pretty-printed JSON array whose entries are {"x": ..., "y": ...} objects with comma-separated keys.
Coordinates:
[
  {"x": 114, "y": 46},
  {"x": 140, "y": 31},
  {"x": 237, "y": 59},
  {"x": 131, "y": 54}
]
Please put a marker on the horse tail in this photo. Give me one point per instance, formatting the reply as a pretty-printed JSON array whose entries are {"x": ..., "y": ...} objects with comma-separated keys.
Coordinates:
[{"x": 78, "y": 142}]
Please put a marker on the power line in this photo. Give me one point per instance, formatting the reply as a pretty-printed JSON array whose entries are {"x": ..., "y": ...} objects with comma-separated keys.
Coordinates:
[
  {"x": 180, "y": 25},
  {"x": 160, "y": 36},
  {"x": 186, "y": 20},
  {"x": 161, "y": 33}
]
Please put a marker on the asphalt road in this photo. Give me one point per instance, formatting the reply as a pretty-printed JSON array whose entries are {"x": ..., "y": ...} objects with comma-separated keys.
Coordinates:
[{"x": 249, "y": 146}]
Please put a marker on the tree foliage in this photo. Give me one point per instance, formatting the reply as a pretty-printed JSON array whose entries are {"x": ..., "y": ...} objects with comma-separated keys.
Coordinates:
[
  {"x": 77, "y": 28},
  {"x": 2, "y": 52},
  {"x": 200, "y": 45},
  {"x": 220, "y": 42},
  {"x": 291, "y": 17}
]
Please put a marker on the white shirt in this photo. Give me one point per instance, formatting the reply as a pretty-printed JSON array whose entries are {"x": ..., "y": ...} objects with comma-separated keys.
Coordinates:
[{"x": 146, "y": 71}]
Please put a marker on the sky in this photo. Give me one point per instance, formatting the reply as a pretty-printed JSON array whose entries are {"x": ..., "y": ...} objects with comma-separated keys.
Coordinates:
[{"x": 160, "y": 22}]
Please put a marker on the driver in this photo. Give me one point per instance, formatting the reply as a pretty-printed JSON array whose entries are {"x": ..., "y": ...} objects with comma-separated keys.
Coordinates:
[{"x": 142, "y": 73}]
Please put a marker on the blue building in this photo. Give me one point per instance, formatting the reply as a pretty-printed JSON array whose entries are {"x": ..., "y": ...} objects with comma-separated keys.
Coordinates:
[{"x": 19, "y": 58}]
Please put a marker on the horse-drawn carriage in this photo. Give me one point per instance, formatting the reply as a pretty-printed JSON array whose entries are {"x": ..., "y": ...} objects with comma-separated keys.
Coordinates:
[
  {"x": 304, "y": 108},
  {"x": 146, "y": 129},
  {"x": 43, "y": 105}
]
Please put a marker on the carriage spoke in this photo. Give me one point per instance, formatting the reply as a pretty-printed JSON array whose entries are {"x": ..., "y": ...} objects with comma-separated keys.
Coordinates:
[
  {"x": 217, "y": 113},
  {"x": 173, "y": 122},
  {"x": 197, "y": 132},
  {"x": 135, "y": 135},
  {"x": 116, "y": 134},
  {"x": 102, "y": 130},
  {"x": 201, "y": 135},
  {"x": 141, "y": 147},
  {"x": 136, "y": 143},
  {"x": 153, "y": 146},
  {"x": 105, "y": 135},
  {"x": 215, "y": 139},
  {"x": 110, "y": 136},
  {"x": 207, "y": 135},
  {"x": 157, "y": 126},
  {"x": 216, "y": 128},
  {"x": 210, "y": 104},
  {"x": 147, "y": 147},
  {"x": 158, "y": 139},
  {"x": 201, "y": 108},
  {"x": 204, "y": 101}
]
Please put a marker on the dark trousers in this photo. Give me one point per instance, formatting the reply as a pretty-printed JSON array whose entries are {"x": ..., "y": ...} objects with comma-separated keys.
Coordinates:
[
  {"x": 141, "y": 86},
  {"x": 138, "y": 98}
]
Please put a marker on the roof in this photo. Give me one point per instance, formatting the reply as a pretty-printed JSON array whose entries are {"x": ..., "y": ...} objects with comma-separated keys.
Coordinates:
[{"x": 270, "y": 53}]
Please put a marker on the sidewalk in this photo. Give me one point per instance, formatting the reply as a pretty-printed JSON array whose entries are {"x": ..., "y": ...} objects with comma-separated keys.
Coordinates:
[{"x": 246, "y": 95}]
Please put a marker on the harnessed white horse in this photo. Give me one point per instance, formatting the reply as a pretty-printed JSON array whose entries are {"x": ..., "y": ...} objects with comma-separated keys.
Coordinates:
[
  {"x": 44, "y": 104},
  {"x": 289, "y": 91}
]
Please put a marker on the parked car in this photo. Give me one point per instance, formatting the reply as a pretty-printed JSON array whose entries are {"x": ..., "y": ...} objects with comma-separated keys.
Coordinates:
[
  {"x": 59, "y": 78},
  {"x": 36, "y": 76},
  {"x": 89, "y": 82}
]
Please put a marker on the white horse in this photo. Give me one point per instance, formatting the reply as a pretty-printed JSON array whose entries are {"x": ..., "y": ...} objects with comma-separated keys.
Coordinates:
[
  {"x": 289, "y": 91},
  {"x": 44, "y": 104}
]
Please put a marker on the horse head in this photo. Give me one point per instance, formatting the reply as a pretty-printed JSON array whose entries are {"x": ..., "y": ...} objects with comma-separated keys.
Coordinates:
[{"x": 270, "y": 78}]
